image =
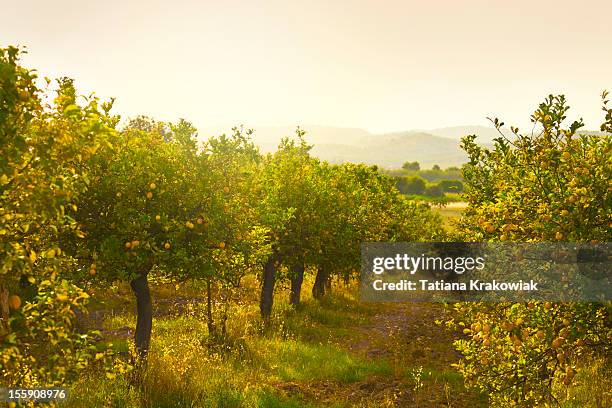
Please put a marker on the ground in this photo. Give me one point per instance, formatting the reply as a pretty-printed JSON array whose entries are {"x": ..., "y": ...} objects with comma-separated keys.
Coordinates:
[
  {"x": 339, "y": 352},
  {"x": 419, "y": 353},
  {"x": 450, "y": 212}
]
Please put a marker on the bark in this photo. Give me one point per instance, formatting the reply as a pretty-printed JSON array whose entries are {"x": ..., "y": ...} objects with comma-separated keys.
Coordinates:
[
  {"x": 296, "y": 284},
  {"x": 4, "y": 312},
  {"x": 144, "y": 315},
  {"x": 225, "y": 296},
  {"x": 318, "y": 289},
  {"x": 267, "y": 289},
  {"x": 210, "y": 322},
  {"x": 224, "y": 320},
  {"x": 328, "y": 285},
  {"x": 347, "y": 279}
]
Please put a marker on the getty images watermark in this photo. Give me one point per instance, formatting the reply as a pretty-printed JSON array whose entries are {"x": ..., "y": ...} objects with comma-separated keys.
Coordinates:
[{"x": 451, "y": 271}]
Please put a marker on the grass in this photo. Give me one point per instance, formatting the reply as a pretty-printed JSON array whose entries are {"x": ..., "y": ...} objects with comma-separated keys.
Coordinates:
[
  {"x": 446, "y": 198},
  {"x": 337, "y": 352},
  {"x": 450, "y": 216},
  {"x": 296, "y": 360},
  {"x": 450, "y": 213},
  {"x": 592, "y": 388},
  {"x": 250, "y": 369}
]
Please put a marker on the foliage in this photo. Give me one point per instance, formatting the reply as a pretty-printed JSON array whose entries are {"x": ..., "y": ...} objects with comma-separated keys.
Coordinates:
[
  {"x": 411, "y": 166},
  {"x": 411, "y": 185},
  {"x": 415, "y": 185},
  {"x": 549, "y": 186},
  {"x": 44, "y": 349},
  {"x": 451, "y": 186},
  {"x": 430, "y": 175},
  {"x": 434, "y": 190},
  {"x": 44, "y": 146}
]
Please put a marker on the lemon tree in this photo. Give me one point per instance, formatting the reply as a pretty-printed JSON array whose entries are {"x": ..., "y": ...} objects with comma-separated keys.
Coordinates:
[
  {"x": 550, "y": 186},
  {"x": 141, "y": 211},
  {"x": 284, "y": 187},
  {"x": 233, "y": 242},
  {"x": 45, "y": 139}
]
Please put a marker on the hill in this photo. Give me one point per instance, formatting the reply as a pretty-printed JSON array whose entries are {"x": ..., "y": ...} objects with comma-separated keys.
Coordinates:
[
  {"x": 485, "y": 135},
  {"x": 389, "y": 150}
]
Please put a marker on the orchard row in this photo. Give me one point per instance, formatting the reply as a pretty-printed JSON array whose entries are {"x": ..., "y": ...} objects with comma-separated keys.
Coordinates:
[{"x": 87, "y": 201}]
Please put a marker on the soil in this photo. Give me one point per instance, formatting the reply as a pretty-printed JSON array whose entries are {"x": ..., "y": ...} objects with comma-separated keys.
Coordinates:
[{"x": 420, "y": 353}]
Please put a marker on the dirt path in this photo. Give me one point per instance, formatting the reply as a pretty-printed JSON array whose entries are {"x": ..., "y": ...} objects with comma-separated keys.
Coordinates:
[
  {"x": 455, "y": 205},
  {"x": 420, "y": 354},
  {"x": 408, "y": 332}
]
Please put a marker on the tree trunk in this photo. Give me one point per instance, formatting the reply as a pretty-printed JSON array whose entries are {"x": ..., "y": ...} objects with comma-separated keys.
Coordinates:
[
  {"x": 328, "y": 285},
  {"x": 296, "y": 284},
  {"x": 225, "y": 297},
  {"x": 5, "y": 328},
  {"x": 210, "y": 322},
  {"x": 267, "y": 288},
  {"x": 318, "y": 289},
  {"x": 224, "y": 319},
  {"x": 144, "y": 315}
]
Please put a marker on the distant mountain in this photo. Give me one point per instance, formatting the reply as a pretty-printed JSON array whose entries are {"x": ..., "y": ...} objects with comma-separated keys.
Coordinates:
[
  {"x": 389, "y": 150},
  {"x": 484, "y": 135},
  {"x": 268, "y": 137}
]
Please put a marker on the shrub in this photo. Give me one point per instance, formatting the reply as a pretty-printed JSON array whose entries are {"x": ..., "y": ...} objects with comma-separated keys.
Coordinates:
[{"x": 410, "y": 185}]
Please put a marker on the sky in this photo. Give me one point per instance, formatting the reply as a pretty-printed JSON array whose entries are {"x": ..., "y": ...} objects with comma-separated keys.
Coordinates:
[{"x": 378, "y": 65}]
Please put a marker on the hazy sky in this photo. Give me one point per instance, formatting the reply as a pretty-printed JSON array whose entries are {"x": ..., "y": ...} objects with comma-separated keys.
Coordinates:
[{"x": 378, "y": 65}]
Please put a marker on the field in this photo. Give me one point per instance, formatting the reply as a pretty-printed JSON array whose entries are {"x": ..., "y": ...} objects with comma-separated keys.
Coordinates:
[
  {"x": 338, "y": 352},
  {"x": 450, "y": 213}
]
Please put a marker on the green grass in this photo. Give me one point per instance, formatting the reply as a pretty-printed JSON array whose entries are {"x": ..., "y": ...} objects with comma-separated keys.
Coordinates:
[
  {"x": 271, "y": 400},
  {"x": 446, "y": 198},
  {"x": 302, "y": 346},
  {"x": 214, "y": 392},
  {"x": 115, "y": 322},
  {"x": 296, "y": 360},
  {"x": 331, "y": 319}
]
